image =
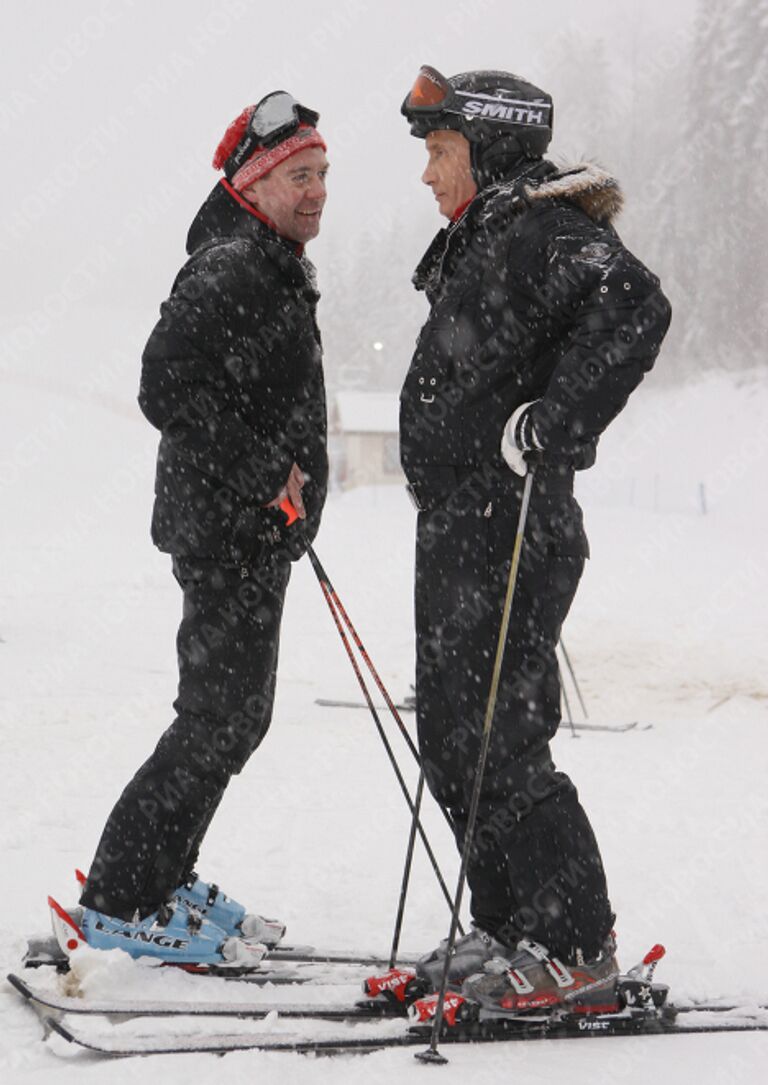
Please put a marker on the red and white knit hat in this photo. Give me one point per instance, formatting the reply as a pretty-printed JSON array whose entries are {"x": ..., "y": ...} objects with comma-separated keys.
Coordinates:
[{"x": 244, "y": 160}]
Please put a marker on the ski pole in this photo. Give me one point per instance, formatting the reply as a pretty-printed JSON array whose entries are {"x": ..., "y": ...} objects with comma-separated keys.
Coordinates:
[
  {"x": 333, "y": 602},
  {"x": 567, "y": 659},
  {"x": 390, "y": 754},
  {"x": 325, "y": 583},
  {"x": 432, "y": 1054},
  {"x": 330, "y": 594},
  {"x": 407, "y": 872}
]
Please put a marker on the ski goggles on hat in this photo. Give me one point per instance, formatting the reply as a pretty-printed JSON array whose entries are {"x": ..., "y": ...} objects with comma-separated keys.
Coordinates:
[
  {"x": 278, "y": 116},
  {"x": 274, "y": 119}
]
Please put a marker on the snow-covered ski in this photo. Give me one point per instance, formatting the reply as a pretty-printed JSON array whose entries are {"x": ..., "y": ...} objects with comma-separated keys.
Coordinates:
[
  {"x": 125, "y": 1007},
  {"x": 363, "y": 1038},
  {"x": 618, "y": 728},
  {"x": 361, "y": 1010}
]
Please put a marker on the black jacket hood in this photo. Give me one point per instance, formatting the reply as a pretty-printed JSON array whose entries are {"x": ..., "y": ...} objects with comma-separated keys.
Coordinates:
[{"x": 222, "y": 218}]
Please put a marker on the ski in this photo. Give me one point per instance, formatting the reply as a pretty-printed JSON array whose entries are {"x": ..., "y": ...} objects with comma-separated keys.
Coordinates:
[
  {"x": 44, "y": 951},
  {"x": 308, "y": 973},
  {"x": 617, "y": 728},
  {"x": 63, "y": 1004},
  {"x": 362, "y": 1010},
  {"x": 490, "y": 1030}
]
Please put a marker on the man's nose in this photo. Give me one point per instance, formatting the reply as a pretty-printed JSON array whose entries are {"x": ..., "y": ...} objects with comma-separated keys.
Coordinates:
[
  {"x": 316, "y": 189},
  {"x": 427, "y": 176}
]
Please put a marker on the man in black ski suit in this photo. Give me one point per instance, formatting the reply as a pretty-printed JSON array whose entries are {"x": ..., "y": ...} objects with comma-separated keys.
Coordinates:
[
  {"x": 232, "y": 377},
  {"x": 541, "y": 324}
]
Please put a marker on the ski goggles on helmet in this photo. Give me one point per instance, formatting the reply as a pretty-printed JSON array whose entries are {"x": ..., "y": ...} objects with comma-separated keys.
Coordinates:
[
  {"x": 431, "y": 93},
  {"x": 432, "y": 96}
]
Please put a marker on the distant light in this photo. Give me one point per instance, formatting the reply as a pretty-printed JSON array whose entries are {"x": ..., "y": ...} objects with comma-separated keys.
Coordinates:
[{"x": 378, "y": 346}]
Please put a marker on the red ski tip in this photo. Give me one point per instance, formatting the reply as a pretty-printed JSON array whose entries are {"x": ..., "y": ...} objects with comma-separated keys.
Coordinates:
[
  {"x": 290, "y": 512},
  {"x": 654, "y": 954},
  {"x": 68, "y": 934},
  {"x": 80, "y": 877}
]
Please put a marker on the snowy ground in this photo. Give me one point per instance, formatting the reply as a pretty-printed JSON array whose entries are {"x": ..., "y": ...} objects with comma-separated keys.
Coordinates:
[{"x": 668, "y": 629}]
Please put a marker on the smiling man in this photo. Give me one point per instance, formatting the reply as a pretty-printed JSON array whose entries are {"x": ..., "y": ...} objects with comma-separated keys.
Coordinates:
[
  {"x": 291, "y": 196},
  {"x": 232, "y": 378}
]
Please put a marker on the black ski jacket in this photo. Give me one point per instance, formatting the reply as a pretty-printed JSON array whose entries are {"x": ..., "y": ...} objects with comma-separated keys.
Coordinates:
[
  {"x": 232, "y": 377},
  {"x": 533, "y": 297}
]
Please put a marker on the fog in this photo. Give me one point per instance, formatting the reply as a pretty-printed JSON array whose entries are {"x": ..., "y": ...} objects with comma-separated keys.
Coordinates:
[{"x": 111, "y": 110}]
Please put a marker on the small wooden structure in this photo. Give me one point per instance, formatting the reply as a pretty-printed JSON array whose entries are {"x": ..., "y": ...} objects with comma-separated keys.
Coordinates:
[{"x": 364, "y": 439}]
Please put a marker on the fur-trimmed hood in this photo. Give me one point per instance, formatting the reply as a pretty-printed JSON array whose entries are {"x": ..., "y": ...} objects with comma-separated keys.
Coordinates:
[{"x": 587, "y": 185}]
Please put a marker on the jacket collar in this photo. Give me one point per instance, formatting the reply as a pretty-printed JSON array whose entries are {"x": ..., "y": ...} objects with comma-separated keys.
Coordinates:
[
  {"x": 588, "y": 186},
  {"x": 449, "y": 243}
]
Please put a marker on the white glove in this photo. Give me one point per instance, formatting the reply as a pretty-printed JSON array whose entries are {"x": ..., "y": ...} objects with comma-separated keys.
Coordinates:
[{"x": 519, "y": 438}]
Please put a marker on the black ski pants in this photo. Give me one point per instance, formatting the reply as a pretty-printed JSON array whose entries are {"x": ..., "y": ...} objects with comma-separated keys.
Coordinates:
[
  {"x": 535, "y": 869},
  {"x": 227, "y": 650}
]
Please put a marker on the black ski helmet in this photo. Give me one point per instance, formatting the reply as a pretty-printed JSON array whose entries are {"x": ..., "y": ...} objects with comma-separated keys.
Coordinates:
[{"x": 504, "y": 117}]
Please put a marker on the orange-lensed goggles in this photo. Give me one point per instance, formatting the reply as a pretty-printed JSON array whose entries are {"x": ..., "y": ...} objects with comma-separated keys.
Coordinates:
[{"x": 430, "y": 92}]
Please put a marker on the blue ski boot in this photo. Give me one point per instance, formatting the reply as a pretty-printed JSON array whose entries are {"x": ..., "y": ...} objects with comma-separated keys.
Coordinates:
[
  {"x": 174, "y": 934},
  {"x": 226, "y": 913}
]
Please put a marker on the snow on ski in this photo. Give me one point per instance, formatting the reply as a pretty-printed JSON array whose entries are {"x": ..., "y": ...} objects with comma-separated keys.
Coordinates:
[
  {"x": 50, "y": 1001},
  {"x": 396, "y": 1034},
  {"x": 362, "y": 1010}
]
